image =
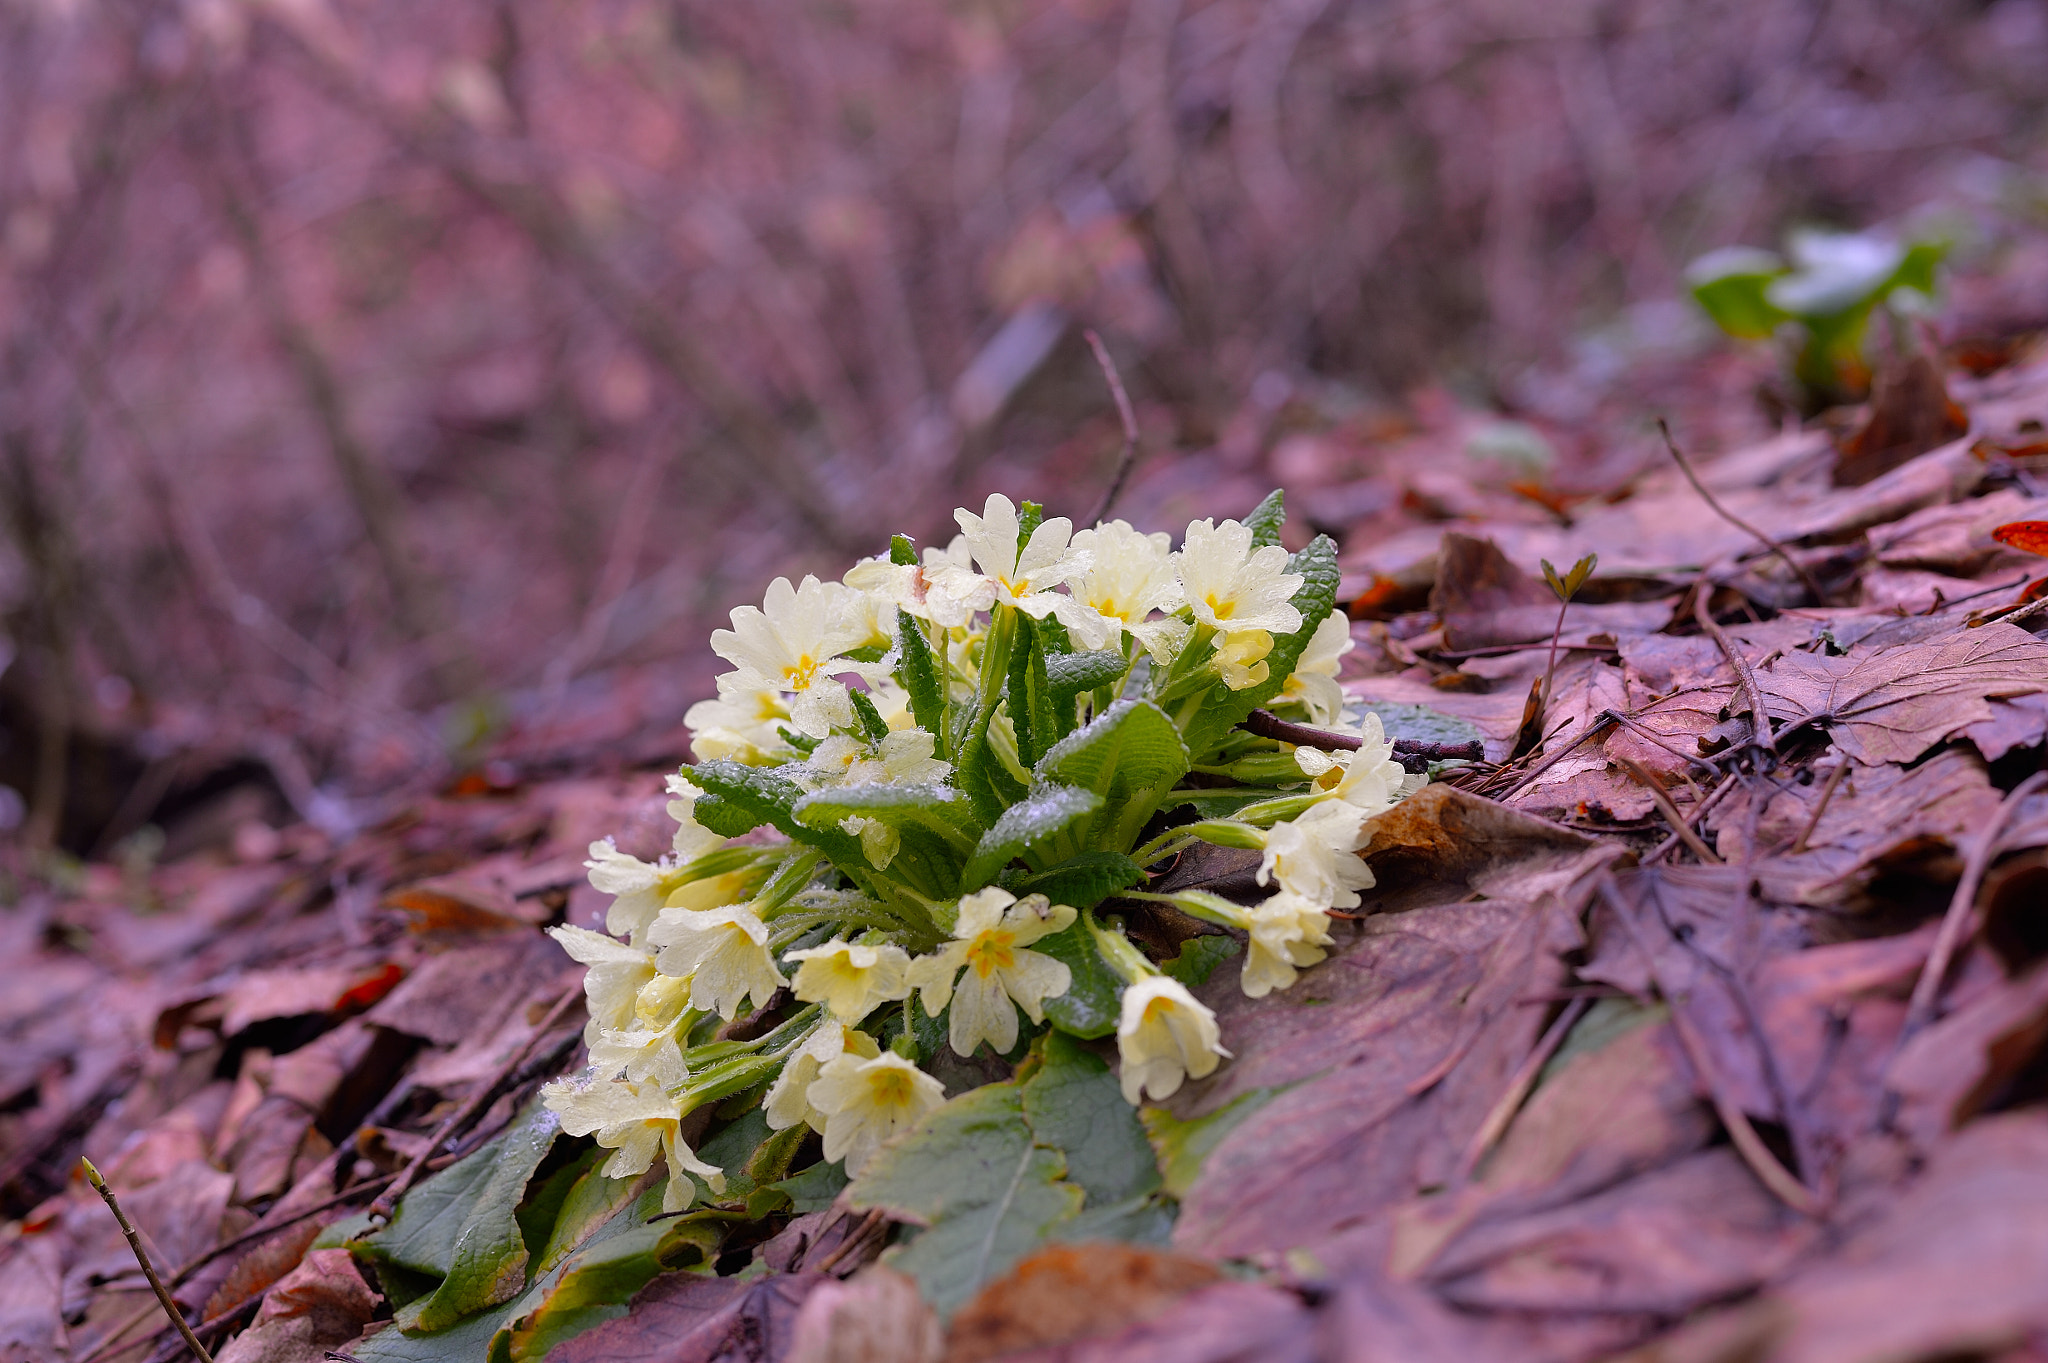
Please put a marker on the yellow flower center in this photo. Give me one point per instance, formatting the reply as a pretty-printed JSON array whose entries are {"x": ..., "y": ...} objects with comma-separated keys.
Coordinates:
[
  {"x": 1157, "y": 1011},
  {"x": 801, "y": 674},
  {"x": 992, "y": 951},
  {"x": 890, "y": 1087},
  {"x": 1222, "y": 610}
]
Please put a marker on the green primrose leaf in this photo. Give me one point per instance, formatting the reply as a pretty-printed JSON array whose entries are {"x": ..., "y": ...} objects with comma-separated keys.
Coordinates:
[
  {"x": 1041, "y": 816},
  {"x": 1069, "y": 674},
  {"x": 486, "y": 1261},
  {"x": 1223, "y": 709},
  {"x": 919, "y": 673},
  {"x": 1031, "y": 711},
  {"x": 1182, "y": 1146},
  {"x": 1074, "y": 1105},
  {"x": 1030, "y": 516},
  {"x": 1083, "y": 881},
  {"x": 903, "y": 551},
  {"x": 872, "y": 725},
  {"x": 972, "y": 1172},
  {"x": 1267, "y": 518},
  {"x": 1131, "y": 755},
  {"x": 1199, "y": 957},
  {"x": 1089, "y": 1007},
  {"x": 738, "y": 794}
]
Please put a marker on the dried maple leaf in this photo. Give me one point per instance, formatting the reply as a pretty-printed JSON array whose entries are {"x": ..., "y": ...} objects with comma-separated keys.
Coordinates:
[{"x": 1893, "y": 704}]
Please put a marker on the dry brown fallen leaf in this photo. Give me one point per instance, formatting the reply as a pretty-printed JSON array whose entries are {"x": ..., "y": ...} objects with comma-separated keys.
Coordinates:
[
  {"x": 1893, "y": 704},
  {"x": 320, "y": 1305},
  {"x": 1065, "y": 1293}
]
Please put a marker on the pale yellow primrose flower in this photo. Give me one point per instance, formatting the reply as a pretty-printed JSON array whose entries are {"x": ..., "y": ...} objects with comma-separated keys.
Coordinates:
[
  {"x": 850, "y": 978},
  {"x": 636, "y": 1121},
  {"x": 1023, "y": 578},
  {"x": 989, "y": 938},
  {"x": 613, "y": 975},
  {"x": 903, "y": 757},
  {"x": 866, "y": 1101},
  {"x": 1369, "y": 780},
  {"x": 1129, "y": 576},
  {"x": 1233, "y": 587},
  {"x": 1164, "y": 1036},
  {"x": 643, "y": 1056},
  {"x": 788, "y": 1100},
  {"x": 1287, "y": 932},
  {"x": 795, "y": 642},
  {"x": 742, "y": 724},
  {"x": 1241, "y": 658},
  {"x": 643, "y": 890},
  {"x": 722, "y": 952},
  {"x": 1314, "y": 680},
  {"x": 913, "y": 587},
  {"x": 692, "y": 839},
  {"x": 1314, "y": 855}
]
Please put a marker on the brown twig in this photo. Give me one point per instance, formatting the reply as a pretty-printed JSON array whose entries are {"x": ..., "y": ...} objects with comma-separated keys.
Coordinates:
[
  {"x": 1128, "y": 458},
  {"x": 1700, "y": 811},
  {"x": 1679, "y": 823},
  {"x": 1266, "y": 724},
  {"x": 1927, "y": 991},
  {"x": 1741, "y": 1134},
  {"x": 163, "y": 1294},
  {"x": 1760, "y": 717},
  {"x": 1601, "y": 723},
  {"x": 1685, "y": 466},
  {"x": 846, "y": 1246},
  {"x": 1827, "y": 793},
  {"x": 388, "y": 1199}
]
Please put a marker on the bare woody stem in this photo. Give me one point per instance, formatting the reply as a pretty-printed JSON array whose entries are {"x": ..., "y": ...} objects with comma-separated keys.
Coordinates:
[
  {"x": 1128, "y": 457},
  {"x": 156, "y": 1284},
  {"x": 1412, "y": 753},
  {"x": 1685, "y": 466}
]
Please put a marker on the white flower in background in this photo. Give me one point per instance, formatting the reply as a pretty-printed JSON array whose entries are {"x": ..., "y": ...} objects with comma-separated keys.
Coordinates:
[
  {"x": 796, "y": 642},
  {"x": 866, "y": 1101},
  {"x": 913, "y": 587},
  {"x": 1314, "y": 680},
  {"x": 1241, "y": 658},
  {"x": 892, "y": 703},
  {"x": 989, "y": 939},
  {"x": 788, "y": 1101},
  {"x": 644, "y": 888},
  {"x": 613, "y": 975},
  {"x": 1287, "y": 933},
  {"x": 743, "y": 724},
  {"x": 1369, "y": 780},
  {"x": 722, "y": 952},
  {"x": 850, "y": 978},
  {"x": 636, "y": 1121},
  {"x": 1315, "y": 856},
  {"x": 1129, "y": 576},
  {"x": 1007, "y": 575},
  {"x": 1164, "y": 1035},
  {"x": 1233, "y": 587}
]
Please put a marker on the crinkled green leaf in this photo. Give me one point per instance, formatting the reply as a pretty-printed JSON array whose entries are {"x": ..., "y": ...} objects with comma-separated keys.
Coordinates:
[
  {"x": 1083, "y": 881},
  {"x": 487, "y": 1262},
  {"x": 1223, "y": 709},
  {"x": 1199, "y": 957},
  {"x": 1131, "y": 755},
  {"x": 739, "y": 794},
  {"x": 986, "y": 1191},
  {"x": 1031, "y": 703},
  {"x": 1146, "y": 1220},
  {"x": 1038, "y": 819},
  {"x": 919, "y": 672},
  {"x": 1089, "y": 1007},
  {"x": 1074, "y": 1104},
  {"x": 485, "y": 1186},
  {"x": 872, "y": 725},
  {"x": 592, "y": 1202},
  {"x": 815, "y": 1189},
  {"x": 1267, "y": 518},
  {"x": 1069, "y": 674},
  {"x": 936, "y": 808}
]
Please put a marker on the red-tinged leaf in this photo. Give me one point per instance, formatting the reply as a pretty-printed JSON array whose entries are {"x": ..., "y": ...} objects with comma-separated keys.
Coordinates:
[
  {"x": 691, "y": 1318},
  {"x": 2029, "y": 537}
]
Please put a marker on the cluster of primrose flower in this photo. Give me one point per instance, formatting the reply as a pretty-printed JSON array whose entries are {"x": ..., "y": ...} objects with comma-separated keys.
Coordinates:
[{"x": 961, "y": 829}]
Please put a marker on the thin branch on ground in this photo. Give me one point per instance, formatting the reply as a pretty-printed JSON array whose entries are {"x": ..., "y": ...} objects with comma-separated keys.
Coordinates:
[
  {"x": 1685, "y": 466},
  {"x": 1827, "y": 794},
  {"x": 156, "y": 1285},
  {"x": 1680, "y": 825},
  {"x": 1760, "y": 717}
]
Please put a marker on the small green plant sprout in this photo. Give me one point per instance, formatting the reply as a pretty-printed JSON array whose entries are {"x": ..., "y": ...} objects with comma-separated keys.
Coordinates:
[
  {"x": 1564, "y": 588},
  {"x": 925, "y": 802},
  {"x": 1819, "y": 301}
]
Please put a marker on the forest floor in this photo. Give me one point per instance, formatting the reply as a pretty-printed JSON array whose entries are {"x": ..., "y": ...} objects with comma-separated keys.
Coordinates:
[{"x": 1705, "y": 1019}]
